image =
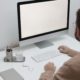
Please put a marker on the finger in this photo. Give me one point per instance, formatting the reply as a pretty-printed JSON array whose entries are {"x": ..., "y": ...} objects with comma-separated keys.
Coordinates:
[{"x": 61, "y": 47}]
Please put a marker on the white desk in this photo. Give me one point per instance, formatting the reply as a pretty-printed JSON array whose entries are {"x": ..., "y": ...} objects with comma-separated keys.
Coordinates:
[{"x": 35, "y": 69}]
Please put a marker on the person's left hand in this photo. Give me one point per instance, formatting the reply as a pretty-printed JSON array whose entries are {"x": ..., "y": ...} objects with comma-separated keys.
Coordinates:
[{"x": 64, "y": 49}]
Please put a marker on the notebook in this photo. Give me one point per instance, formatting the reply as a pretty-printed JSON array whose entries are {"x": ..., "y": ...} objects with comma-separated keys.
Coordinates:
[{"x": 11, "y": 74}]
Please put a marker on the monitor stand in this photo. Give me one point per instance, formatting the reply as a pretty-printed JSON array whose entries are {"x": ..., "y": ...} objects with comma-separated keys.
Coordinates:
[{"x": 44, "y": 44}]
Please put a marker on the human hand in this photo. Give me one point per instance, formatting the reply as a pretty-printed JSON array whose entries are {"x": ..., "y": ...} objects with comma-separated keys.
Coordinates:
[
  {"x": 49, "y": 70},
  {"x": 64, "y": 49},
  {"x": 48, "y": 75},
  {"x": 50, "y": 67}
]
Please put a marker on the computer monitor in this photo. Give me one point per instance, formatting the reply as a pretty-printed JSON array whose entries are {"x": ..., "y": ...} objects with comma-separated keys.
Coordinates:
[{"x": 40, "y": 20}]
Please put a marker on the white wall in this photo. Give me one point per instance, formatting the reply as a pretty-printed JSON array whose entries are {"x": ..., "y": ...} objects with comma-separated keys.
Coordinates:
[
  {"x": 9, "y": 26},
  {"x": 8, "y": 23}
]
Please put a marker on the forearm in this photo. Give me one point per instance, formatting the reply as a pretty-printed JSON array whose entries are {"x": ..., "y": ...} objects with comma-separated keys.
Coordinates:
[
  {"x": 70, "y": 70},
  {"x": 72, "y": 53}
]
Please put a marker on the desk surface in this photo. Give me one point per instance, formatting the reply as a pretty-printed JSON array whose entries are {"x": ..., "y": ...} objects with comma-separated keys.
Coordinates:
[{"x": 31, "y": 70}]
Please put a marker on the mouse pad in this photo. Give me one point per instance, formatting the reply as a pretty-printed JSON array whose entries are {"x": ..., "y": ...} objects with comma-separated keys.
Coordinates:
[{"x": 11, "y": 74}]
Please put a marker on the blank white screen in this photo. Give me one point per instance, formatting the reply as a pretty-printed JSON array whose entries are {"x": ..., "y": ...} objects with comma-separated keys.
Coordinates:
[{"x": 42, "y": 17}]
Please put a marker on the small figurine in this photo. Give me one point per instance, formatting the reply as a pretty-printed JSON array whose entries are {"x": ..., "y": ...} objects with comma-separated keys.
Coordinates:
[{"x": 9, "y": 55}]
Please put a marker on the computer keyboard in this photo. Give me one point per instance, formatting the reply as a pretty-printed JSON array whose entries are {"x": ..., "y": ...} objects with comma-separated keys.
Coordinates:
[{"x": 46, "y": 55}]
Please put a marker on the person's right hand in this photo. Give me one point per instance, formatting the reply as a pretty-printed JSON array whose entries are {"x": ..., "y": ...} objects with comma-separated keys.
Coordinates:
[
  {"x": 50, "y": 67},
  {"x": 48, "y": 75},
  {"x": 64, "y": 49}
]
